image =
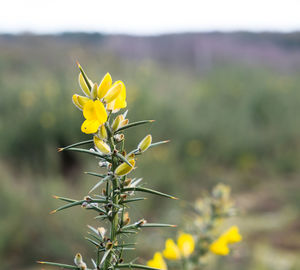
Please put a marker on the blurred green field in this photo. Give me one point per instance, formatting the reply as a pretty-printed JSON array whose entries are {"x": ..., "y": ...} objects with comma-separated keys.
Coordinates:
[{"x": 229, "y": 103}]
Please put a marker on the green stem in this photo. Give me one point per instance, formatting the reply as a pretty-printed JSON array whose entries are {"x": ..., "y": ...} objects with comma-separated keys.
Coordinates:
[{"x": 115, "y": 209}]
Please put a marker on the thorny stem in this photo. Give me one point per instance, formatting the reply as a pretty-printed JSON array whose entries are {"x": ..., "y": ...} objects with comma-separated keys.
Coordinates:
[{"x": 115, "y": 199}]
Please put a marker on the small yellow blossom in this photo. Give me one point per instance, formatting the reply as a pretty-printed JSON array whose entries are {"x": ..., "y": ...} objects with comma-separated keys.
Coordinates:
[
  {"x": 83, "y": 85},
  {"x": 184, "y": 248},
  {"x": 219, "y": 247},
  {"x": 95, "y": 115},
  {"x": 113, "y": 94},
  {"x": 158, "y": 262},
  {"x": 124, "y": 168},
  {"x": 186, "y": 244},
  {"x": 171, "y": 251},
  {"x": 232, "y": 235}
]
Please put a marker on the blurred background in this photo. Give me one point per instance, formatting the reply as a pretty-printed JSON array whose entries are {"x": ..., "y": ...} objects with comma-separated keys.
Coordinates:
[{"x": 222, "y": 85}]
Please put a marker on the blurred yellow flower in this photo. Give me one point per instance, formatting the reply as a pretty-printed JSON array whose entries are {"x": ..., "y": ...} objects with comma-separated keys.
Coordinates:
[
  {"x": 171, "y": 251},
  {"x": 95, "y": 115},
  {"x": 186, "y": 244},
  {"x": 219, "y": 247},
  {"x": 158, "y": 262},
  {"x": 184, "y": 248},
  {"x": 230, "y": 236}
]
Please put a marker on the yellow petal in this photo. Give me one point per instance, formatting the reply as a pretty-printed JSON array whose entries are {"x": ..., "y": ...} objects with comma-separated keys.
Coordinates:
[
  {"x": 145, "y": 143},
  {"x": 171, "y": 251},
  {"x": 83, "y": 85},
  {"x": 90, "y": 126},
  {"x": 186, "y": 244},
  {"x": 100, "y": 112},
  {"x": 232, "y": 235},
  {"x": 124, "y": 168},
  {"x": 104, "y": 86},
  {"x": 101, "y": 146},
  {"x": 158, "y": 262},
  {"x": 219, "y": 247},
  {"x": 89, "y": 110},
  {"x": 113, "y": 92},
  {"x": 120, "y": 101}
]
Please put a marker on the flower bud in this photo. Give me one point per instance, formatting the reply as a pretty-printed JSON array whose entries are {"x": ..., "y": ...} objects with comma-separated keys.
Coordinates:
[
  {"x": 145, "y": 143},
  {"x": 83, "y": 85},
  {"x": 124, "y": 168},
  {"x": 124, "y": 123},
  {"x": 101, "y": 231},
  {"x": 103, "y": 133},
  {"x": 127, "y": 182},
  {"x": 79, "y": 101},
  {"x": 101, "y": 146},
  {"x": 126, "y": 218},
  {"x": 119, "y": 137},
  {"x": 78, "y": 259},
  {"x": 116, "y": 123},
  {"x": 94, "y": 91}
]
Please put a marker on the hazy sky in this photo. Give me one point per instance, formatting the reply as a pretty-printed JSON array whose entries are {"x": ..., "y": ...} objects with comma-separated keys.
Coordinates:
[{"x": 148, "y": 17}]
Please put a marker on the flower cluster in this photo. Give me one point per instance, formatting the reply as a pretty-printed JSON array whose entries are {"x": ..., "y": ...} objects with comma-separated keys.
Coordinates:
[
  {"x": 100, "y": 106},
  {"x": 201, "y": 237}
]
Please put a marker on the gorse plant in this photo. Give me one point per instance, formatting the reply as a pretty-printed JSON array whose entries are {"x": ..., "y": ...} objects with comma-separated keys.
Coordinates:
[
  {"x": 201, "y": 236},
  {"x": 100, "y": 106}
]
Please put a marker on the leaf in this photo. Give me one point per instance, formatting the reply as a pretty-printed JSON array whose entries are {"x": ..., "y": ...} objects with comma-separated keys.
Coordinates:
[
  {"x": 124, "y": 159},
  {"x": 64, "y": 199},
  {"x": 157, "y": 225},
  {"x": 133, "y": 200},
  {"x": 92, "y": 241},
  {"x": 66, "y": 266},
  {"x": 148, "y": 190},
  {"x": 93, "y": 153},
  {"x": 134, "y": 124},
  {"x": 75, "y": 144},
  {"x": 105, "y": 256},
  {"x": 136, "y": 266},
  {"x": 67, "y": 206},
  {"x": 100, "y": 182},
  {"x": 96, "y": 174}
]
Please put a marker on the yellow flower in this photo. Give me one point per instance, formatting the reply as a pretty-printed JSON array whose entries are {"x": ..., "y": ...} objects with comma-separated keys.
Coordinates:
[
  {"x": 219, "y": 247},
  {"x": 186, "y": 244},
  {"x": 113, "y": 94},
  {"x": 171, "y": 251},
  {"x": 232, "y": 235},
  {"x": 184, "y": 248},
  {"x": 95, "y": 115},
  {"x": 158, "y": 262}
]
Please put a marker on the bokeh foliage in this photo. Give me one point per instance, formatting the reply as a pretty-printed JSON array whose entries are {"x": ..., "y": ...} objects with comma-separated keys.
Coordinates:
[{"x": 230, "y": 103}]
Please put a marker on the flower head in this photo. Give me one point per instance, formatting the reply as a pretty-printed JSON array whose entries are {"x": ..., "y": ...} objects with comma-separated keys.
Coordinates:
[
  {"x": 158, "y": 262},
  {"x": 220, "y": 246},
  {"x": 95, "y": 115},
  {"x": 184, "y": 248}
]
